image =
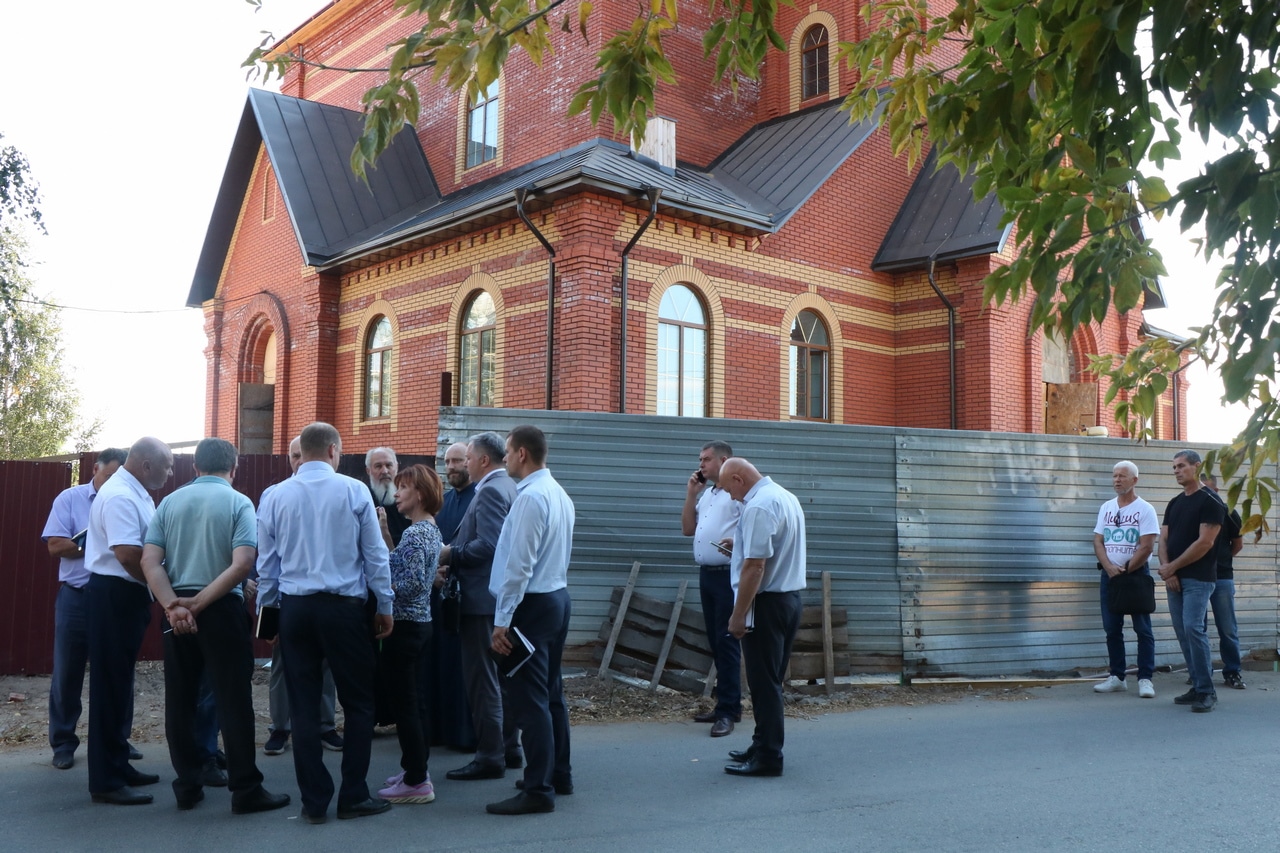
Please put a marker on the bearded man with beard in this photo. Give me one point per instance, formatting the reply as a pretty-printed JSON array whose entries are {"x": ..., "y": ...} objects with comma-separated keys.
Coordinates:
[{"x": 381, "y": 466}]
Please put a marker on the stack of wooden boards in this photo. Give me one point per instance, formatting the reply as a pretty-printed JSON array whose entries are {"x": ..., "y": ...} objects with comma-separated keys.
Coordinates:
[{"x": 665, "y": 642}]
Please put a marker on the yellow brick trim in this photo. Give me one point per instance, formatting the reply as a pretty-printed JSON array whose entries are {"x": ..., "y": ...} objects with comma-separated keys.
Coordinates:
[
  {"x": 701, "y": 284},
  {"x": 375, "y": 309},
  {"x": 470, "y": 287},
  {"x": 794, "y": 56},
  {"x": 835, "y": 357}
]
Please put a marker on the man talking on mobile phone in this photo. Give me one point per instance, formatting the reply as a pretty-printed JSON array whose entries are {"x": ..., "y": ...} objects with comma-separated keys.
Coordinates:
[{"x": 710, "y": 516}]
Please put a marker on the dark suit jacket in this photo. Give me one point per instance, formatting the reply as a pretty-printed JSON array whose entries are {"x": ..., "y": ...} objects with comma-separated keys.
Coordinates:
[{"x": 472, "y": 548}]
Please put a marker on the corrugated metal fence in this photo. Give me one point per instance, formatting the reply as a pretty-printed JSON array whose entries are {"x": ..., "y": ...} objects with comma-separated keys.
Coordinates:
[{"x": 957, "y": 553}]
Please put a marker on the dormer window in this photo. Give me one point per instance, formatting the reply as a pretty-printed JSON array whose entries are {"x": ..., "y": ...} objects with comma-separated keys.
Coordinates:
[
  {"x": 482, "y": 127},
  {"x": 814, "y": 67}
]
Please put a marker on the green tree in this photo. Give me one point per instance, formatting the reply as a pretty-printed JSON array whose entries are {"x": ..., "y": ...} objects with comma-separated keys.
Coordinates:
[
  {"x": 1067, "y": 109},
  {"x": 19, "y": 208}
]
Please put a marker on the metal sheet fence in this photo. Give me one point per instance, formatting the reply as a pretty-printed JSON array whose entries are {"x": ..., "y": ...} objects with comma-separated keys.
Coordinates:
[{"x": 955, "y": 553}]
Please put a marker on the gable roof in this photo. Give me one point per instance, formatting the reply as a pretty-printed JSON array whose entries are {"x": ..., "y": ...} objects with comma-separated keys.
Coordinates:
[
  {"x": 309, "y": 145},
  {"x": 940, "y": 219}
]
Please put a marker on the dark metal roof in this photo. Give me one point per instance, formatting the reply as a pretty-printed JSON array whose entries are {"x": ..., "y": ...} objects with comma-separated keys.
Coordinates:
[
  {"x": 310, "y": 146},
  {"x": 940, "y": 219},
  {"x": 785, "y": 160}
]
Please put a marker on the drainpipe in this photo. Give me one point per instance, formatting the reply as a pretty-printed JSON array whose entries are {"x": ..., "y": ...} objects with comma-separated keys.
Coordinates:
[
  {"x": 521, "y": 194},
  {"x": 951, "y": 335},
  {"x": 653, "y": 194},
  {"x": 1174, "y": 377}
]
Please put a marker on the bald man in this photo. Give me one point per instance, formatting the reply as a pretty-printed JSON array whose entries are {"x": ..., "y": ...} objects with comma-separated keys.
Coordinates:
[
  {"x": 767, "y": 573},
  {"x": 118, "y": 607}
]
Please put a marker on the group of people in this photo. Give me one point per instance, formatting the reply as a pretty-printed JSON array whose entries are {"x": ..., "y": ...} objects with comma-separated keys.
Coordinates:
[
  {"x": 1198, "y": 538},
  {"x": 347, "y": 569}
]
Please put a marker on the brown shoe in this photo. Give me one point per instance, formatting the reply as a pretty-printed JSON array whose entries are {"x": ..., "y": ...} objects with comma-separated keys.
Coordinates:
[
  {"x": 723, "y": 726},
  {"x": 706, "y": 717}
]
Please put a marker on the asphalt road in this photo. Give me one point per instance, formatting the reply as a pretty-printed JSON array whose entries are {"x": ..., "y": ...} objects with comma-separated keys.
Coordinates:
[{"x": 1063, "y": 770}]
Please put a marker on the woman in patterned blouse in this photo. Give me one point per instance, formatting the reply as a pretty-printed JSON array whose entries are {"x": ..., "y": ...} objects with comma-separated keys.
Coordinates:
[{"x": 413, "y": 567}]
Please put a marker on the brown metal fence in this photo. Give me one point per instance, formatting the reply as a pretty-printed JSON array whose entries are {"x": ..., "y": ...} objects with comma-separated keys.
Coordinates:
[{"x": 29, "y": 576}]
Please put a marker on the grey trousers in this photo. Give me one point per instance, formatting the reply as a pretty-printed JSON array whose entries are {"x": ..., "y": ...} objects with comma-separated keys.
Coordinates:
[
  {"x": 278, "y": 696},
  {"x": 495, "y": 737}
]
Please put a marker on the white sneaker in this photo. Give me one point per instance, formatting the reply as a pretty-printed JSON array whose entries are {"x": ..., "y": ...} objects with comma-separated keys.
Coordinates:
[
  {"x": 1111, "y": 685},
  {"x": 1146, "y": 690}
]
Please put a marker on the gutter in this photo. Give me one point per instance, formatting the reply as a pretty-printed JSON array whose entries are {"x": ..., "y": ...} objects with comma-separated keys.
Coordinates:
[
  {"x": 951, "y": 334},
  {"x": 654, "y": 194},
  {"x": 522, "y": 193}
]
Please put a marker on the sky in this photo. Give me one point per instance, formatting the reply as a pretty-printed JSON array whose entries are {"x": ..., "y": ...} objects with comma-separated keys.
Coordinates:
[{"x": 129, "y": 140}]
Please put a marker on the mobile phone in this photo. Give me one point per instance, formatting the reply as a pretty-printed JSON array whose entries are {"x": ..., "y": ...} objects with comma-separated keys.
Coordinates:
[
  {"x": 702, "y": 478},
  {"x": 728, "y": 552}
]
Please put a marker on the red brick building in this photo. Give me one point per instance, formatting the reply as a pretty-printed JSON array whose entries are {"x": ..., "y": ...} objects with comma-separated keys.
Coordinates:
[{"x": 766, "y": 259}]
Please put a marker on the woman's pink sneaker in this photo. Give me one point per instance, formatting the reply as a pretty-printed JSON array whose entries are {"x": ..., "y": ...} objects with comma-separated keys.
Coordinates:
[{"x": 402, "y": 793}]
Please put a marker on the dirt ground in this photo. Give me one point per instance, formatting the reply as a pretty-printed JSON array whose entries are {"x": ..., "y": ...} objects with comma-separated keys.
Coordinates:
[{"x": 24, "y": 718}]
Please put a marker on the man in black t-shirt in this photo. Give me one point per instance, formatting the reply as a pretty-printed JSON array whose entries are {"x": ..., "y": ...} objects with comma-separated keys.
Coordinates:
[
  {"x": 1188, "y": 567},
  {"x": 1223, "y": 600}
]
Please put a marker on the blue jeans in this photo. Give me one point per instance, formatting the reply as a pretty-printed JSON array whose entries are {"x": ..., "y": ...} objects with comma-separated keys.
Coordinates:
[
  {"x": 1223, "y": 603},
  {"x": 717, "y": 607},
  {"x": 1113, "y": 624},
  {"x": 1187, "y": 610}
]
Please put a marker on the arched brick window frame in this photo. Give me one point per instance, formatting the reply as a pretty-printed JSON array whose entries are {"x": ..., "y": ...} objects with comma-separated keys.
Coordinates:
[
  {"x": 795, "y": 56},
  {"x": 376, "y": 310},
  {"x": 472, "y": 286},
  {"x": 835, "y": 356},
  {"x": 266, "y": 324},
  {"x": 702, "y": 286}
]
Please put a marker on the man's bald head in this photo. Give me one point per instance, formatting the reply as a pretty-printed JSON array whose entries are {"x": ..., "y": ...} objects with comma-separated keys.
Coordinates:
[
  {"x": 737, "y": 476},
  {"x": 150, "y": 461}
]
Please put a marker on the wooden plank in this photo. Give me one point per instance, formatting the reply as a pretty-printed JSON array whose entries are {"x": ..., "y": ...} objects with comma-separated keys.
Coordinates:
[
  {"x": 828, "y": 654},
  {"x": 811, "y": 616},
  {"x": 711, "y": 680},
  {"x": 670, "y": 636},
  {"x": 656, "y": 609},
  {"x": 617, "y": 623},
  {"x": 675, "y": 679},
  {"x": 639, "y": 644},
  {"x": 812, "y": 639},
  {"x": 806, "y": 665}
]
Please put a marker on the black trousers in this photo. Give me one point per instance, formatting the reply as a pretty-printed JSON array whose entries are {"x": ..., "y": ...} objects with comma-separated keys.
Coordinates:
[
  {"x": 118, "y": 612},
  {"x": 315, "y": 628},
  {"x": 400, "y": 661},
  {"x": 537, "y": 694},
  {"x": 767, "y": 649},
  {"x": 222, "y": 648}
]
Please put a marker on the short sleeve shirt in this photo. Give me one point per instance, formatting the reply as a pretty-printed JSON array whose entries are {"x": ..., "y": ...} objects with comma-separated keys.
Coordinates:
[
  {"x": 119, "y": 516},
  {"x": 772, "y": 528},
  {"x": 717, "y": 519},
  {"x": 199, "y": 526},
  {"x": 1183, "y": 517},
  {"x": 69, "y": 516},
  {"x": 1122, "y": 527}
]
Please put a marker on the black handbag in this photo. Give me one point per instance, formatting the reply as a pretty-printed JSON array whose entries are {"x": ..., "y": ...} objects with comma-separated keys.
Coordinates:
[
  {"x": 1131, "y": 594},
  {"x": 451, "y": 604}
]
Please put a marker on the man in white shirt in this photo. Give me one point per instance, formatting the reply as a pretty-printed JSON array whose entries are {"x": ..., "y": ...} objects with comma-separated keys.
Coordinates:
[
  {"x": 1123, "y": 540},
  {"x": 768, "y": 573},
  {"x": 710, "y": 516},
  {"x": 118, "y": 607}
]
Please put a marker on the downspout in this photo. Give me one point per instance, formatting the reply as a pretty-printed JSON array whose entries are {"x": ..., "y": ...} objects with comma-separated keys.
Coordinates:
[
  {"x": 653, "y": 193},
  {"x": 521, "y": 194},
  {"x": 951, "y": 335},
  {"x": 1174, "y": 377}
]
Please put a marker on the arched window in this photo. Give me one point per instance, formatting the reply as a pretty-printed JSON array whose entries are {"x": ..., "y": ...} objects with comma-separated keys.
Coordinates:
[
  {"x": 682, "y": 354},
  {"x": 814, "y": 69},
  {"x": 377, "y": 375},
  {"x": 810, "y": 351},
  {"x": 482, "y": 126},
  {"x": 477, "y": 367}
]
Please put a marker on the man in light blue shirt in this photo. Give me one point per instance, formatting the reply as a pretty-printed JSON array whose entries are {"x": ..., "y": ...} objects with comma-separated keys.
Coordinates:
[
  {"x": 768, "y": 572},
  {"x": 320, "y": 554},
  {"x": 529, "y": 580}
]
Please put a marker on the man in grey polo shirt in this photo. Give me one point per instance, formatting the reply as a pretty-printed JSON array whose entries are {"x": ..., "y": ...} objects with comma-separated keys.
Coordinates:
[
  {"x": 200, "y": 547},
  {"x": 768, "y": 574},
  {"x": 710, "y": 516}
]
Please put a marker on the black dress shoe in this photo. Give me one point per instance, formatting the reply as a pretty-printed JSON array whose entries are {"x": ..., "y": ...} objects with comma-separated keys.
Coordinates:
[
  {"x": 754, "y": 767},
  {"x": 514, "y": 760},
  {"x": 258, "y": 800},
  {"x": 563, "y": 787},
  {"x": 313, "y": 818},
  {"x": 212, "y": 776},
  {"x": 722, "y": 727},
  {"x": 134, "y": 755},
  {"x": 122, "y": 796},
  {"x": 187, "y": 802},
  {"x": 476, "y": 770},
  {"x": 523, "y": 803},
  {"x": 741, "y": 755},
  {"x": 706, "y": 717},
  {"x": 136, "y": 777},
  {"x": 364, "y": 808},
  {"x": 64, "y": 760}
]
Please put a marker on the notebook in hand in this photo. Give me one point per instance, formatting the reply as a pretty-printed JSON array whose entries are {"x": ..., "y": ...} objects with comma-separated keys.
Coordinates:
[
  {"x": 268, "y": 623},
  {"x": 521, "y": 650}
]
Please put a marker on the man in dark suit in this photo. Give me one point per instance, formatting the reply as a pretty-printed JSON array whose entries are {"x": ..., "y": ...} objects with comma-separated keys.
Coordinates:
[{"x": 470, "y": 557}]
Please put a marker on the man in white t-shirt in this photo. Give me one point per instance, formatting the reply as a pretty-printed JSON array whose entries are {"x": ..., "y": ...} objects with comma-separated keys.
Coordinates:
[{"x": 1123, "y": 540}]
